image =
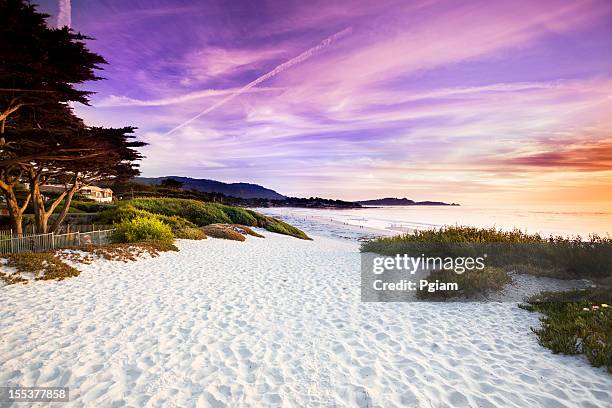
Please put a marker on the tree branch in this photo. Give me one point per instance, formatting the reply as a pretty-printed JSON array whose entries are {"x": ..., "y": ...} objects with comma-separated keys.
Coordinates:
[{"x": 26, "y": 202}]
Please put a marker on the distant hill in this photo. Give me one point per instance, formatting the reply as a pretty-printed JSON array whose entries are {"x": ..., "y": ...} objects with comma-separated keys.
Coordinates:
[
  {"x": 240, "y": 190},
  {"x": 400, "y": 201}
]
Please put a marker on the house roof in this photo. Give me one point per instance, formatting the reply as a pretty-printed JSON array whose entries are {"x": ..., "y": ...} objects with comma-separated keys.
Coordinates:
[
  {"x": 59, "y": 187},
  {"x": 96, "y": 188}
]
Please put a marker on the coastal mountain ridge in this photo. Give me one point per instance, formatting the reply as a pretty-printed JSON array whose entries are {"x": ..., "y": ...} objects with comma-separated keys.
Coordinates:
[
  {"x": 249, "y": 191},
  {"x": 239, "y": 190},
  {"x": 400, "y": 201}
]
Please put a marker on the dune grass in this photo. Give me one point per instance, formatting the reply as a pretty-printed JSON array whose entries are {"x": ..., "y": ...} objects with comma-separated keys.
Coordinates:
[
  {"x": 123, "y": 252},
  {"x": 558, "y": 257},
  {"x": 472, "y": 284},
  {"x": 576, "y": 322}
]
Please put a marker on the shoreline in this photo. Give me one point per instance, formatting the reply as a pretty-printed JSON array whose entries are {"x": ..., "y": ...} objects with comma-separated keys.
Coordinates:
[
  {"x": 274, "y": 321},
  {"x": 392, "y": 220},
  {"x": 328, "y": 226}
]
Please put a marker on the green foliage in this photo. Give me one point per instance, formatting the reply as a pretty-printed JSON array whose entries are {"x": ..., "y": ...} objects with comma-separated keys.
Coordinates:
[
  {"x": 576, "y": 322},
  {"x": 142, "y": 229},
  {"x": 71, "y": 210},
  {"x": 89, "y": 206},
  {"x": 471, "y": 284},
  {"x": 181, "y": 228},
  {"x": 198, "y": 212},
  {"x": 204, "y": 213},
  {"x": 240, "y": 216},
  {"x": 120, "y": 213},
  {"x": 190, "y": 233},
  {"x": 177, "y": 224},
  {"x": 559, "y": 257}
]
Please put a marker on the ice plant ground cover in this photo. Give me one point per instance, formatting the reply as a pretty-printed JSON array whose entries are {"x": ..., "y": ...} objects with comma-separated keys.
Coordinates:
[
  {"x": 270, "y": 322},
  {"x": 576, "y": 322}
]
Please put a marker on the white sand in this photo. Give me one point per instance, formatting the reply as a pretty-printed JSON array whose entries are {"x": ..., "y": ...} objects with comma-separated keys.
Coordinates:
[{"x": 274, "y": 322}]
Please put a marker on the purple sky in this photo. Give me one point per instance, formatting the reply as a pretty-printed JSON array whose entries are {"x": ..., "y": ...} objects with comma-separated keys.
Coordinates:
[{"x": 468, "y": 101}]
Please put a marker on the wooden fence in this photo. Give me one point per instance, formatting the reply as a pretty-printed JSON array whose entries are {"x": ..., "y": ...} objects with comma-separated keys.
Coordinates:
[{"x": 44, "y": 242}]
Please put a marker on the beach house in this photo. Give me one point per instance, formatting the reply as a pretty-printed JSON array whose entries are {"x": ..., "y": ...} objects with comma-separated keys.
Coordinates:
[{"x": 95, "y": 193}]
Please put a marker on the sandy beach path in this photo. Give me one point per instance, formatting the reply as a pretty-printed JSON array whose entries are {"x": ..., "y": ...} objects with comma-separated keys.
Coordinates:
[{"x": 274, "y": 322}]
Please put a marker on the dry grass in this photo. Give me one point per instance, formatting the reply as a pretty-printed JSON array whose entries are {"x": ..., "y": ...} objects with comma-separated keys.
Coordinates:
[
  {"x": 51, "y": 265},
  {"x": 116, "y": 252},
  {"x": 43, "y": 266},
  {"x": 11, "y": 279},
  {"x": 223, "y": 231},
  {"x": 190, "y": 233},
  {"x": 234, "y": 232}
]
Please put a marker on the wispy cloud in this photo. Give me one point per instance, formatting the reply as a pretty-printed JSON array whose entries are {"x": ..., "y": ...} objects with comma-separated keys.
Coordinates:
[
  {"x": 65, "y": 13},
  {"x": 280, "y": 68},
  {"x": 119, "y": 101},
  {"x": 214, "y": 62}
]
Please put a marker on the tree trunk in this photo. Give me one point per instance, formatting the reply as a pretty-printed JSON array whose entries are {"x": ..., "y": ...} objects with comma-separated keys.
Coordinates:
[
  {"x": 67, "y": 201},
  {"x": 15, "y": 213},
  {"x": 40, "y": 215}
]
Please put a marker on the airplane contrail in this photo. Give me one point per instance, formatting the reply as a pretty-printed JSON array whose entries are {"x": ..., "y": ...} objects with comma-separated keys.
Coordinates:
[
  {"x": 280, "y": 68},
  {"x": 64, "y": 15}
]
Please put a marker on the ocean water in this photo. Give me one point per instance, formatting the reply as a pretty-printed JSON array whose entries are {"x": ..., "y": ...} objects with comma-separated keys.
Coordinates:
[{"x": 391, "y": 220}]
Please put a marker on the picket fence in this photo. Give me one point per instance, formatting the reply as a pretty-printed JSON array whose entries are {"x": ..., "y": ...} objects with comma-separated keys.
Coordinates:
[{"x": 15, "y": 243}]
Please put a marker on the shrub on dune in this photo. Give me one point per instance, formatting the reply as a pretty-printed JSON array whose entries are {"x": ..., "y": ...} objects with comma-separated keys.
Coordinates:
[
  {"x": 181, "y": 228},
  {"x": 142, "y": 229},
  {"x": 205, "y": 213}
]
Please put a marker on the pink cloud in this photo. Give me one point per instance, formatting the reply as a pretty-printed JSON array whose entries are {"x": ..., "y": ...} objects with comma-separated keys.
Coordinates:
[{"x": 214, "y": 62}]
